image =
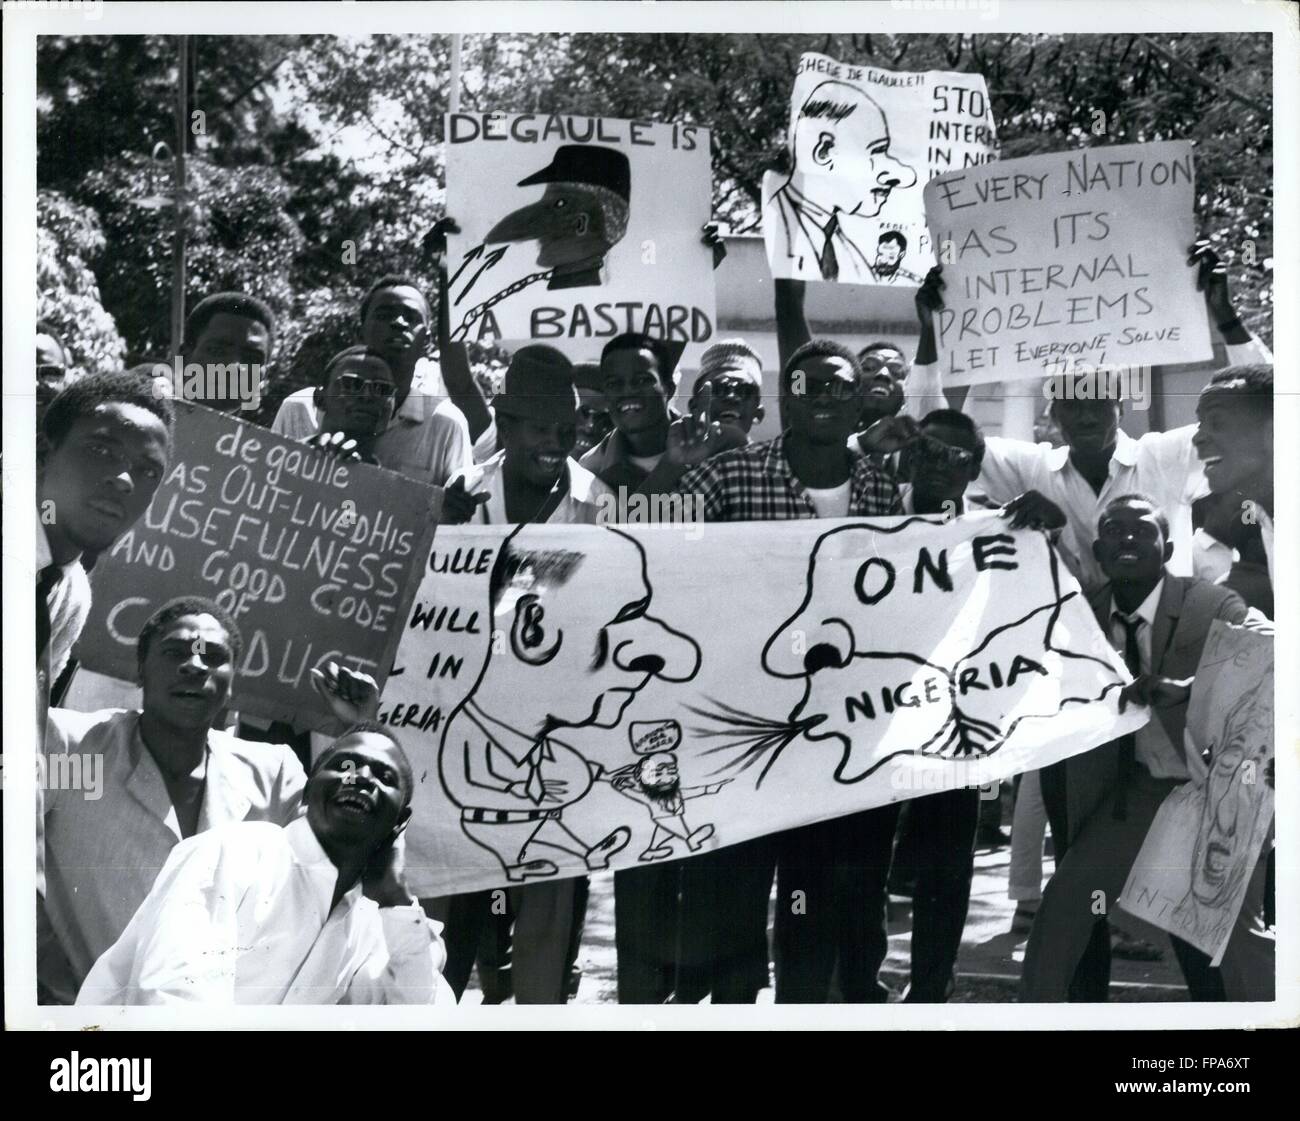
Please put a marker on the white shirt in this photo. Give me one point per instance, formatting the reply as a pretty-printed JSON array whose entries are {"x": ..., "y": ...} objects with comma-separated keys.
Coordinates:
[
  {"x": 427, "y": 439},
  {"x": 104, "y": 848},
  {"x": 241, "y": 915},
  {"x": 585, "y": 496},
  {"x": 830, "y": 502},
  {"x": 1162, "y": 465},
  {"x": 1154, "y": 749},
  {"x": 69, "y": 603},
  {"x": 1266, "y": 535}
]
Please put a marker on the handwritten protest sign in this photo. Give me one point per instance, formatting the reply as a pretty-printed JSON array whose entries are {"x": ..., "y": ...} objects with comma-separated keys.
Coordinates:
[
  {"x": 316, "y": 559},
  {"x": 863, "y": 144},
  {"x": 1068, "y": 261},
  {"x": 1192, "y": 873},
  {"x": 578, "y": 228},
  {"x": 571, "y": 702}
]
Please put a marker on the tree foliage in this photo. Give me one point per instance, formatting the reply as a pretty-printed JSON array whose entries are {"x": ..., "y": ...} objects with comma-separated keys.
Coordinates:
[
  {"x": 68, "y": 241},
  {"x": 281, "y": 210}
]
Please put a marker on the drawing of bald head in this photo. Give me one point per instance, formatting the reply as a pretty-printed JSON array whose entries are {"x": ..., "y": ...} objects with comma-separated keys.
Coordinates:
[{"x": 841, "y": 136}]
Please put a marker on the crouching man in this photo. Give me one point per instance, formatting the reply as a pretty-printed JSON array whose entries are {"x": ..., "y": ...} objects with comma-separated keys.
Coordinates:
[{"x": 315, "y": 912}]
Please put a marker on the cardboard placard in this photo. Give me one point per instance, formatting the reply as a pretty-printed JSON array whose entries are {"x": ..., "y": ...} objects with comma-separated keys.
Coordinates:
[
  {"x": 576, "y": 229},
  {"x": 315, "y": 558},
  {"x": 1067, "y": 262}
]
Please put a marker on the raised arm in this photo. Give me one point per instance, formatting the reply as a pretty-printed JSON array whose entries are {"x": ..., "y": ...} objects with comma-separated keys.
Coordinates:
[{"x": 454, "y": 356}]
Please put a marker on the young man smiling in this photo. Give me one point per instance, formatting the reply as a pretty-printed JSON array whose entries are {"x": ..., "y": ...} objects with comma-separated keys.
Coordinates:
[
  {"x": 315, "y": 912},
  {"x": 167, "y": 774},
  {"x": 841, "y": 865},
  {"x": 1159, "y": 622}
]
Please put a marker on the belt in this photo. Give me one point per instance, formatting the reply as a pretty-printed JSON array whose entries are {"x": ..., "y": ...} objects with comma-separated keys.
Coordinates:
[{"x": 507, "y": 817}]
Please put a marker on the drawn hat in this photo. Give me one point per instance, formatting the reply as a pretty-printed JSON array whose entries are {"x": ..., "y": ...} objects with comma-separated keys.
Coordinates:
[
  {"x": 586, "y": 163},
  {"x": 539, "y": 386}
]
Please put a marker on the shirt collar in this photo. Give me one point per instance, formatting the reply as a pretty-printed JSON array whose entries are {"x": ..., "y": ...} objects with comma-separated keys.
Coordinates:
[
  {"x": 812, "y": 209},
  {"x": 515, "y": 743},
  {"x": 422, "y": 399},
  {"x": 488, "y": 476},
  {"x": 1146, "y": 609},
  {"x": 614, "y": 450},
  {"x": 312, "y": 859}
]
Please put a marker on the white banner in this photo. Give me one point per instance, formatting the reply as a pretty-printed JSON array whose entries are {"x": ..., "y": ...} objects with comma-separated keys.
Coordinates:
[
  {"x": 581, "y": 697},
  {"x": 863, "y": 144}
]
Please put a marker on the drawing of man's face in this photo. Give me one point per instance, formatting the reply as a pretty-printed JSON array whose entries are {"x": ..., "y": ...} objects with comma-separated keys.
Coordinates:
[
  {"x": 834, "y": 645},
  {"x": 579, "y": 640},
  {"x": 568, "y": 223},
  {"x": 841, "y": 138},
  {"x": 658, "y": 772},
  {"x": 890, "y": 250},
  {"x": 1234, "y": 792}
]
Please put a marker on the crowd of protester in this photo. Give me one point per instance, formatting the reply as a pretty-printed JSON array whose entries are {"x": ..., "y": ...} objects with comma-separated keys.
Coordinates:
[{"x": 220, "y": 867}]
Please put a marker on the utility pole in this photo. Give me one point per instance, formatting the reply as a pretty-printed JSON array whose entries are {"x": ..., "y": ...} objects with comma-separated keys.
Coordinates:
[{"x": 180, "y": 205}]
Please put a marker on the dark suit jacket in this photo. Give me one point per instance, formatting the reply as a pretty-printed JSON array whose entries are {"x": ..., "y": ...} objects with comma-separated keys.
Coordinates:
[{"x": 1186, "y": 609}]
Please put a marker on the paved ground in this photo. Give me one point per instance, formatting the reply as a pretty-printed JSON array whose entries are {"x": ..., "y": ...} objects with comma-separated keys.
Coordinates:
[{"x": 988, "y": 966}]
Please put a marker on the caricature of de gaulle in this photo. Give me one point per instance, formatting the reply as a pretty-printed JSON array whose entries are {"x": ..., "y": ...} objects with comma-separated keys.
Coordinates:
[
  {"x": 581, "y": 215},
  {"x": 574, "y": 644},
  {"x": 1233, "y": 803},
  {"x": 842, "y": 167}
]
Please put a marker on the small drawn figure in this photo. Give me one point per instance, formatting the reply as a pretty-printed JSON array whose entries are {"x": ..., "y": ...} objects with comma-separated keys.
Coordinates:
[
  {"x": 891, "y": 248},
  {"x": 562, "y": 663},
  {"x": 841, "y": 169},
  {"x": 581, "y": 216},
  {"x": 654, "y": 781}
]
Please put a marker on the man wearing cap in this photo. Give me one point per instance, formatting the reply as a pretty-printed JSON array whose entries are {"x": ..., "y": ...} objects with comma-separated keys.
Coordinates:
[
  {"x": 733, "y": 372},
  {"x": 533, "y": 478}
]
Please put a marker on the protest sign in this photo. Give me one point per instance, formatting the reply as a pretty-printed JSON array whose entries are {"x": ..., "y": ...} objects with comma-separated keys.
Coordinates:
[
  {"x": 576, "y": 229},
  {"x": 1066, "y": 262},
  {"x": 863, "y": 144},
  {"x": 315, "y": 558},
  {"x": 571, "y": 701},
  {"x": 1192, "y": 873}
]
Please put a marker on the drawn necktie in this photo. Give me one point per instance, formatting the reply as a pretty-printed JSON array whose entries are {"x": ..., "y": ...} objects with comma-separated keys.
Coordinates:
[
  {"x": 1128, "y": 743},
  {"x": 534, "y": 787},
  {"x": 830, "y": 266}
]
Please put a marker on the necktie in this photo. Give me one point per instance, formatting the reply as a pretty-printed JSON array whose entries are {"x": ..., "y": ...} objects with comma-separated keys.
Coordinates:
[
  {"x": 1127, "y": 744},
  {"x": 534, "y": 787},
  {"x": 830, "y": 266},
  {"x": 46, "y": 581}
]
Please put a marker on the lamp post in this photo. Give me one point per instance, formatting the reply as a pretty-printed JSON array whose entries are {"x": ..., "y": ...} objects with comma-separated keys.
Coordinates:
[{"x": 179, "y": 209}]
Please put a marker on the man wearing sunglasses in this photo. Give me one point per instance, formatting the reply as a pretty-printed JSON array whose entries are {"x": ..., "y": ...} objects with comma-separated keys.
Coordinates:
[
  {"x": 733, "y": 372},
  {"x": 355, "y": 404},
  {"x": 841, "y": 865}
]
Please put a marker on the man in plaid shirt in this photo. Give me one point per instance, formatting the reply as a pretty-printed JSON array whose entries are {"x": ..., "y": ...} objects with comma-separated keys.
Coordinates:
[{"x": 839, "y": 866}]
